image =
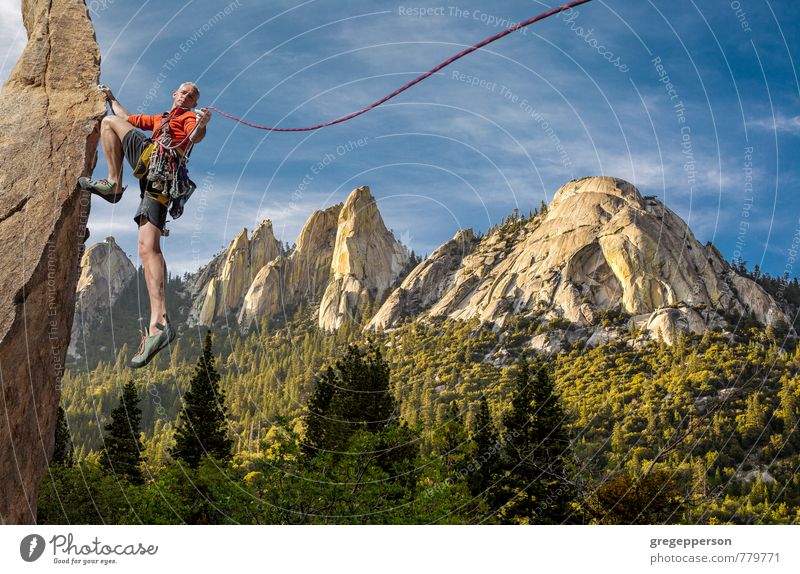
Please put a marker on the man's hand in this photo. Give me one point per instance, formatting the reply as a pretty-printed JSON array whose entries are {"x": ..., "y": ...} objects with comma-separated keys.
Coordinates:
[
  {"x": 116, "y": 108},
  {"x": 199, "y": 132},
  {"x": 106, "y": 92},
  {"x": 203, "y": 117}
]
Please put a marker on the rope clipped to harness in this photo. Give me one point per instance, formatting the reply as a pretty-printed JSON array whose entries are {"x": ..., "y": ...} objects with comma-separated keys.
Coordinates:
[{"x": 415, "y": 81}]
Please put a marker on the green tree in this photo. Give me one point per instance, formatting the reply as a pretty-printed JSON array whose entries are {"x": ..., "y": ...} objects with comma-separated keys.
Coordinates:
[
  {"x": 321, "y": 433},
  {"x": 354, "y": 394},
  {"x": 650, "y": 499},
  {"x": 202, "y": 428},
  {"x": 450, "y": 440},
  {"x": 63, "y": 452},
  {"x": 485, "y": 449},
  {"x": 122, "y": 453},
  {"x": 356, "y": 457},
  {"x": 535, "y": 487}
]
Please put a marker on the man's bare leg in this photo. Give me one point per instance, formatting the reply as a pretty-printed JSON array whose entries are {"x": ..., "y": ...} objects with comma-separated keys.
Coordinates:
[
  {"x": 154, "y": 272},
  {"x": 112, "y": 130}
]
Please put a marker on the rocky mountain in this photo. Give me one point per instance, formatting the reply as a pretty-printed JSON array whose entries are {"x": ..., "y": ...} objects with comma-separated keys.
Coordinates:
[
  {"x": 343, "y": 258},
  {"x": 427, "y": 283},
  {"x": 599, "y": 246},
  {"x": 50, "y": 114},
  {"x": 367, "y": 260},
  {"x": 220, "y": 287},
  {"x": 105, "y": 272},
  {"x": 299, "y": 276},
  {"x": 599, "y": 251}
]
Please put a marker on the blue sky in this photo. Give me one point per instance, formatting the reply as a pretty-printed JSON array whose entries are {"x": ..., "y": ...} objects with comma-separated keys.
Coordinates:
[{"x": 579, "y": 94}]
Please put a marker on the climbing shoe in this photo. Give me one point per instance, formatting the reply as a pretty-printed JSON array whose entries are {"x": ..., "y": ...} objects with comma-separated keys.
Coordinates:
[
  {"x": 103, "y": 187},
  {"x": 152, "y": 344}
]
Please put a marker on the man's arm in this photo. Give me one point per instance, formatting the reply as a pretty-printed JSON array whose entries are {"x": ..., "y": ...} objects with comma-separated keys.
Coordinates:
[
  {"x": 118, "y": 108},
  {"x": 198, "y": 134},
  {"x": 203, "y": 117}
]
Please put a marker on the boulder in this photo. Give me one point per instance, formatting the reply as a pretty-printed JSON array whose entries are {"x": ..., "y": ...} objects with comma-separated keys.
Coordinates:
[{"x": 666, "y": 323}]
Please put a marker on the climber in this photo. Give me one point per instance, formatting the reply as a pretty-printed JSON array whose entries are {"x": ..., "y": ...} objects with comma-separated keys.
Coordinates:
[{"x": 178, "y": 130}]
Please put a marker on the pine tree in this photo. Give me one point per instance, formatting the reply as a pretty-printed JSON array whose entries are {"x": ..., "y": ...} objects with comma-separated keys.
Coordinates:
[
  {"x": 63, "y": 452},
  {"x": 352, "y": 423},
  {"x": 535, "y": 487},
  {"x": 759, "y": 492},
  {"x": 355, "y": 394},
  {"x": 122, "y": 453},
  {"x": 202, "y": 427},
  {"x": 650, "y": 499},
  {"x": 485, "y": 448},
  {"x": 788, "y": 411},
  {"x": 450, "y": 440},
  {"x": 321, "y": 432}
]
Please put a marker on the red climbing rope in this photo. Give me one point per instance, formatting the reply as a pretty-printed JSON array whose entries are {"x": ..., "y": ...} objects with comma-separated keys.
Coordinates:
[{"x": 505, "y": 32}]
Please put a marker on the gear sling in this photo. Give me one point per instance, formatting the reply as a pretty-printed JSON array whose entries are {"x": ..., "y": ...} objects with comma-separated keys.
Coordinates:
[{"x": 162, "y": 166}]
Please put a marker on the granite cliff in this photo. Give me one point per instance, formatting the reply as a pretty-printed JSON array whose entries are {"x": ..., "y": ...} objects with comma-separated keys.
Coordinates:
[
  {"x": 598, "y": 246},
  {"x": 105, "y": 272},
  {"x": 343, "y": 258},
  {"x": 367, "y": 260},
  {"x": 298, "y": 277},
  {"x": 50, "y": 115},
  {"x": 220, "y": 287}
]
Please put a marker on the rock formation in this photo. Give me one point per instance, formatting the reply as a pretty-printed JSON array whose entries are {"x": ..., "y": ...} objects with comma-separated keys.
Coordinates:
[
  {"x": 105, "y": 272},
  {"x": 220, "y": 288},
  {"x": 367, "y": 260},
  {"x": 49, "y": 129},
  {"x": 300, "y": 276},
  {"x": 344, "y": 257},
  {"x": 599, "y": 245},
  {"x": 427, "y": 283}
]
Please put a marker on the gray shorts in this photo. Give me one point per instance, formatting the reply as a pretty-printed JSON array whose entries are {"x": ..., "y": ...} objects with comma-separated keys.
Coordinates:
[
  {"x": 133, "y": 145},
  {"x": 150, "y": 209}
]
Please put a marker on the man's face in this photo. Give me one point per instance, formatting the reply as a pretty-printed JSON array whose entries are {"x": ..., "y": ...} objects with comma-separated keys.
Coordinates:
[{"x": 184, "y": 97}]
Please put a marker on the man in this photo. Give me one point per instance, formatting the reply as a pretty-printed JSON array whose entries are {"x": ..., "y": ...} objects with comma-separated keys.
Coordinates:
[{"x": 120, "y": 136}]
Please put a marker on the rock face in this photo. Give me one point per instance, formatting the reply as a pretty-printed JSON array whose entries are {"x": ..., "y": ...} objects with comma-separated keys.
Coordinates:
[
  {"x": 300, "y": 276},
  {"x": 599, "y": 245},
  {"x": 427, "y": 283},
  {"x": 49, "y": 129},
  {"x": 665, "y": 323},
  {"x": 105, "y": 272},
  {"x": 367, "y": 260},
  {"x": 343, "y": 258},
  {"x": 220, "y": 288}
]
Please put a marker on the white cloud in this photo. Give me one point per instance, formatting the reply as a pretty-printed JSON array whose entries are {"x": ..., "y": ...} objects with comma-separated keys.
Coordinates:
[{"x": 780, "y": 123}]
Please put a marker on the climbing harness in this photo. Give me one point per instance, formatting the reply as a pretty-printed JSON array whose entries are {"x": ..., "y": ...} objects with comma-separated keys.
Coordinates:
[
  {"x": 166, "y": 167},
  {"x": 417, "y": 80}
]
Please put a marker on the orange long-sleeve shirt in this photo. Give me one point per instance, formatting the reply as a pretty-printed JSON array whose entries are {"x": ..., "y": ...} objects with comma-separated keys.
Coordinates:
[{"x": 180, "y": 125}]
